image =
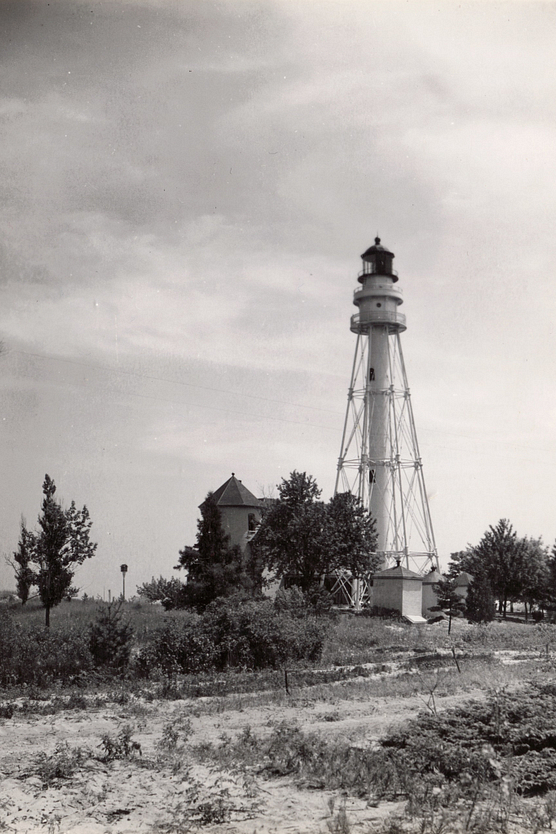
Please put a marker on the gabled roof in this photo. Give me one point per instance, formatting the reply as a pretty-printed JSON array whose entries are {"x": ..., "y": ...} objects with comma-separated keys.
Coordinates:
[
  {"x": 463, "y": 579},
  {"x": 234, "y": 494}
]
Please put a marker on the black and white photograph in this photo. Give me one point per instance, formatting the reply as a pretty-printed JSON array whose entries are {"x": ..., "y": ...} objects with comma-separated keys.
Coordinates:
[{"x": 278, "y": 416}]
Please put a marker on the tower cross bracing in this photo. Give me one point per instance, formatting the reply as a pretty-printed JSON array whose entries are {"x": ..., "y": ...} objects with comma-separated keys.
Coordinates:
[{"x": 380, "y": 461}]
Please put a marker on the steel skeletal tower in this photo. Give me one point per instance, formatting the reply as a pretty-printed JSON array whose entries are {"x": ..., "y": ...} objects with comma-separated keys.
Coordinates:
[{"x": 379, "y": 459}]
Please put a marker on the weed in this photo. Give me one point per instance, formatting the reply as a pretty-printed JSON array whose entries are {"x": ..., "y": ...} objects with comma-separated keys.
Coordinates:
[
  {"x": 62, "y": 764},
  {"x": 212, "y": 803},
  {"x": 393, "y": 825},
  {"x": 333, "y": 715},
  {"x": 119, "y": 747},
  {"x": 171, "y": 733},
  {"x": 335, "y": 765},
  {"x": 339, "y": 824}
]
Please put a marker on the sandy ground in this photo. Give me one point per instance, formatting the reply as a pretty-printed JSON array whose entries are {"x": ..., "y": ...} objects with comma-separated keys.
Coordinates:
[{"x": 151, "y": 793}]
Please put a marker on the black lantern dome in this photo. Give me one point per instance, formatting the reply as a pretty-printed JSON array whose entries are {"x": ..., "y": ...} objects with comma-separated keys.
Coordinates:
[{"x": 377, "y": 260}]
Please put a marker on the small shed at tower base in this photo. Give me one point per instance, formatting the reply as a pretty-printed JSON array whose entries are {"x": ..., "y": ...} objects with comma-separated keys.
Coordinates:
[
  {"x": 399, "y": 589},
  {"x": 430, "y": 597}
]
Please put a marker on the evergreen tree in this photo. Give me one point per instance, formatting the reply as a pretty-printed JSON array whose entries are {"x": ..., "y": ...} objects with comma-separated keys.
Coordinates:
[
  {"x": 110, "y": 638},
  {"x": 480, "y": 603},
  {"x": 448, "y": 599}
]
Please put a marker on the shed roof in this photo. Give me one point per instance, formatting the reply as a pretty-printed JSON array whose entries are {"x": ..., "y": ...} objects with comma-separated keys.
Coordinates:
[
  {"x": 432, "y": 578},
  {"x": 396, "y": 573}
]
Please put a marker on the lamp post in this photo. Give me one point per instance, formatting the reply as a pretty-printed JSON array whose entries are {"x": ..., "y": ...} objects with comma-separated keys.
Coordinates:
[{"x": 123, "y": 569}]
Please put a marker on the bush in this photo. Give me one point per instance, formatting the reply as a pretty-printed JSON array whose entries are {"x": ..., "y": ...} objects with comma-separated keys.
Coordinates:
[
  {"x": 291, "y": 601},
  {"x": 233, "y": 632},
  {"x": 167, "y": 591},
  {"x": 382, "y": 613},
  {"x": 180, "y": 646},
  {"x": 39, "y": 656},
  {"x": 253, "y": 635}
]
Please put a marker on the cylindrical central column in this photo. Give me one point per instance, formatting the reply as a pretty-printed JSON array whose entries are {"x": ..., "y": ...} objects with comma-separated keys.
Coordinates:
[{"x": 379, "y": 440}]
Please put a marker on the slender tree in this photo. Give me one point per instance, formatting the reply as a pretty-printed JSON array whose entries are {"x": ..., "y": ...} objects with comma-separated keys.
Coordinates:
[
  {"x": 60, "y": 545},
  {"x": 21, "y": 563},
  {"x": 448, "y": 599}
]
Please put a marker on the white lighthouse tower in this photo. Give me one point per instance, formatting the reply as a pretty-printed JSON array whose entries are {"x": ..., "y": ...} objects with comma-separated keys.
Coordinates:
[{"x": 379, "y": 458}]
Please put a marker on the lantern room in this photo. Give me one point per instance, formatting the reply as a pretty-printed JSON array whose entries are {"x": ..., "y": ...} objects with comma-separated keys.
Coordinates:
[{"x": 377, "y": 260}]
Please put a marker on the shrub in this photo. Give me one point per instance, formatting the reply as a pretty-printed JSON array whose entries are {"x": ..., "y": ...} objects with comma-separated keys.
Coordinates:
[
  {"x": 168, "y": 591},
  {"x": 291, "y": 601},
  {"x": 39, "y": 656},
  {"x": 253, "y": 635},
  {"x": 62, "y": 764},
  {"x": 382, "y": 613},
  {"x": 180, "y": 646},
  {"x": 233, "y": 632},
  {"x": 121, "y": 746}
]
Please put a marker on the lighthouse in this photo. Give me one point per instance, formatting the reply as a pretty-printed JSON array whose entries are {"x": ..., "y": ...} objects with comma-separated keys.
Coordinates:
[{"x": 379, "y": 458}]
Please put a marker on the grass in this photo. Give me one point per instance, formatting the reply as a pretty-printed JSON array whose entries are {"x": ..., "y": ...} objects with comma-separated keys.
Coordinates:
[
  {"x": 143, "y": 616},
  {"x": 358, "y": 640}
]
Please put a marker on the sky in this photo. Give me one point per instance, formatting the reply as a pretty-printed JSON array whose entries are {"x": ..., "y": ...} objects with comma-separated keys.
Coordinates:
[{"x": 186, "y": 189}]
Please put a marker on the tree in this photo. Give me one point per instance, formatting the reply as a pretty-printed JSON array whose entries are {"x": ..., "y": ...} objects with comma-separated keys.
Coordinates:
[
  {"x": 215, "y": 569},
  {"x": 535, "y": 579},
  {"x": 448, "y": 599},
  {"x": 290, "y": 538},
  {"x": 515, "y": 568},
  {"x": 550, "y": 600},
  {"x": 460, "y": 561},
  {"x": 303, "y": 538},
  {"x": 350, "y": 536},
  {"x": 21, "y": 563},
  {"x": 62, "y": 543}
]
